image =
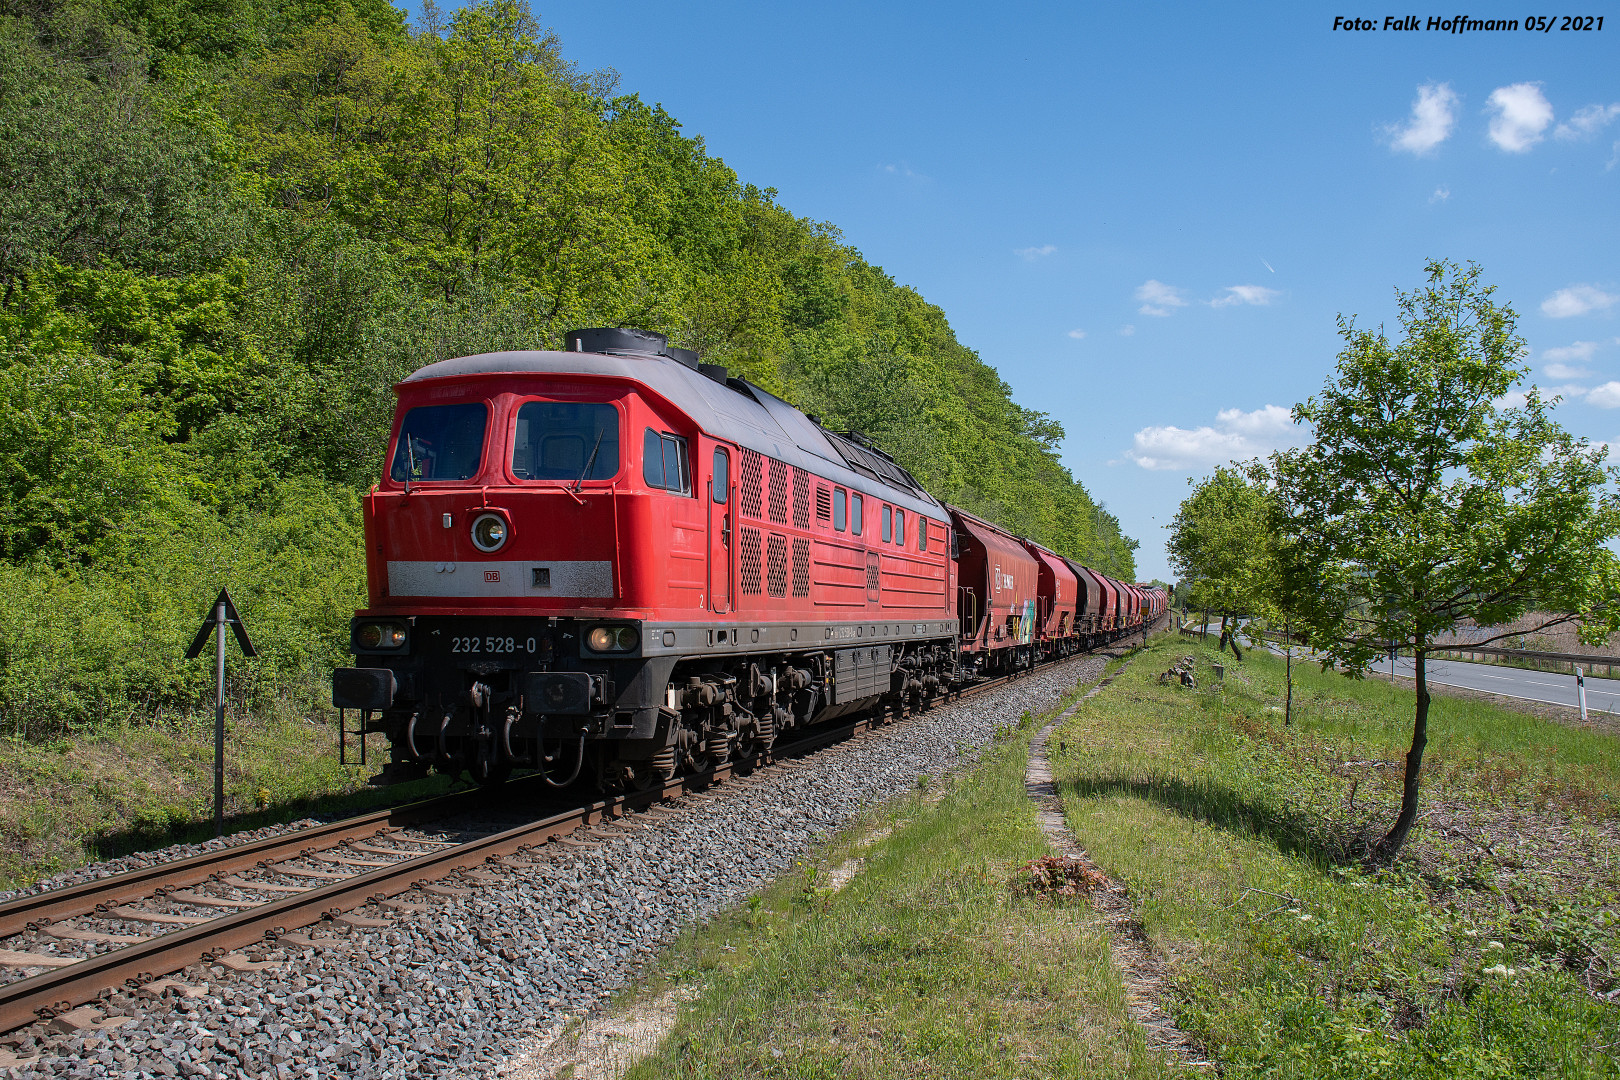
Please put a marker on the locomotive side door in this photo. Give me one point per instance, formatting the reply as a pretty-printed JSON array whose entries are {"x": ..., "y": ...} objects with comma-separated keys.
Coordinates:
[{"x": 721, "y": 515}]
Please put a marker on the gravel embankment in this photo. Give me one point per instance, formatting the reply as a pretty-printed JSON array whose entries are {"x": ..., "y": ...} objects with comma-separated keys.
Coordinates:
[
  {"x": 457, "y": 988},
  {"x": 141, "y": 859}
]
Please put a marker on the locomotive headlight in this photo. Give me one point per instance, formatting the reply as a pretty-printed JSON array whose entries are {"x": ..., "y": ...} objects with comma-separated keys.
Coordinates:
[
  {"x": 612, "y": 639},
  {"x": 489, "y": 532},
  {"x": 379, "y": 635}
]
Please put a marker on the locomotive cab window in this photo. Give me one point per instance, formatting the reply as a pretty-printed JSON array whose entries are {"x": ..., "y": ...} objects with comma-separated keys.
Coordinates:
[
  {"x": 888, "y": 524},
  {"x": 855, "y": 502},
  {"x": 566, "y": 440},
  {"x": 663, "y": 463},
  {"x": 721, "y": 481},
  {"x": 440, "y": 442},
  {"x": 840, "y": 508}
]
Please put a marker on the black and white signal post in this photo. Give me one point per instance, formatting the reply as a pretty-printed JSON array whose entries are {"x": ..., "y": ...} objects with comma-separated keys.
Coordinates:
[{"x": 223, "y": 614}]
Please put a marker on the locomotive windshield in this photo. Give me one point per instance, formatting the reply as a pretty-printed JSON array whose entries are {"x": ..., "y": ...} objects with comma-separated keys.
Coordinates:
[
  {"x": 440, "y": 442},
  {"x": 566, "y": 440}
]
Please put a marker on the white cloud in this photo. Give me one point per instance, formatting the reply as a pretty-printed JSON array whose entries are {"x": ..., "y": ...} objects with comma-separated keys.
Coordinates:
[
  {"x": 1606, "y": 396},
  {"x": 1257, "y": 295},
  {"x": 1441, "y": 194},
  {"x": 1159, "y": 299},
  {"x": 1127, "y": 330},
  {"x": 1434, "y": 114},
  {"x": 1521, "y": 115},
  {"x": 1236, "y": 435},
  {"x": 1581, "y": 351},
  {"x": 1077, "y": 334},
  {"x": 1556, "y": 370},
  {"x": 1577, "y": 300},
  {"x": 1587, "y": 121},
  {"x": 1030, "y": 254},
  {"x": 901, "y": 169}
]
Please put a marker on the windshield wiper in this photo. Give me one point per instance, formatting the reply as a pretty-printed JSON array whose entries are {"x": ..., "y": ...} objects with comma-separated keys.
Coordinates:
[
  {"x": 591, "y": 461},
  {"x": 410, "y": 458}
]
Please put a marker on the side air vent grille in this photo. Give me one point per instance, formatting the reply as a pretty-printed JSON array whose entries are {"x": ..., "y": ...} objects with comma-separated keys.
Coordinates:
[
  {"x": 776, "y": 570},
  {"x": 750, "y": 562},
  {"x": 801, "y": 498},
  {"x": 751, "y": 467},
  {"x": 801, "y": 567},
  {"x": 779, "y": 491}
]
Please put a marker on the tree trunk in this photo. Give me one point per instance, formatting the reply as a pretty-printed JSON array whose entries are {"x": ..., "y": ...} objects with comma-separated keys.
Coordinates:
[
  {"x": 1288, "y": 664},
  {"x": 1390, "y": 845},
  {"x": 1229, "y": 636}
]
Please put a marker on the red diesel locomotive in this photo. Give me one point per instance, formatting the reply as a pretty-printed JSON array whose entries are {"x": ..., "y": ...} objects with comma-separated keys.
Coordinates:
[{"x": 616, "y": 560}]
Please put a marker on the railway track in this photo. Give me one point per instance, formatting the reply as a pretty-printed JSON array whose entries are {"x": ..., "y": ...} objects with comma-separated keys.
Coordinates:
[{"x": 136, "y": 927}]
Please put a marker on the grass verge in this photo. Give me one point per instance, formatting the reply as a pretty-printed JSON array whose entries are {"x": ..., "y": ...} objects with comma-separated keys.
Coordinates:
[
  {"x": 1489, "y": 949},
  {"x": 929, "y": 962},
  {"x": 73, "y": 799}
]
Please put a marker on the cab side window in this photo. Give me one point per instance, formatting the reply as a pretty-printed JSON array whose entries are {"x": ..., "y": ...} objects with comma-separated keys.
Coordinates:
[
  {"x": 888, "y": 524},
  {"x": 722, "y": 474},
  {"x": 840, "y": 508},
  {"x": 664, "y": 464},
  {"x": 855, "y": 502}
]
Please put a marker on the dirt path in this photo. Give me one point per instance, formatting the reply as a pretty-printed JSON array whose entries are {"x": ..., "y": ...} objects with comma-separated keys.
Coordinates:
[{"x": 1140, "y": 966}]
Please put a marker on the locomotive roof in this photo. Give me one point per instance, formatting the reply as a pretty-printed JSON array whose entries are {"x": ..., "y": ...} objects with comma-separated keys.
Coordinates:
[{"x": 737, "y": 411}]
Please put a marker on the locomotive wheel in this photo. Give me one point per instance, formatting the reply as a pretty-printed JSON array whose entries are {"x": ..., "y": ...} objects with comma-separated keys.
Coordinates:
[
  {"x": 488, "y": 773},
  {"x": 637, "y": 775}
]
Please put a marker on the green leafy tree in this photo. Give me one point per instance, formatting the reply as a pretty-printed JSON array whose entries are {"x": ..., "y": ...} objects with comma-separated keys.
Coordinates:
[
  {"x": 1426, "y": 501},
  {"x": 1223, "y": 542}
]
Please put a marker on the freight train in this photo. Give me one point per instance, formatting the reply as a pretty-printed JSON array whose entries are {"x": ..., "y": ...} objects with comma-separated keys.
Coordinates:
[{"x": 614, "y": 562}]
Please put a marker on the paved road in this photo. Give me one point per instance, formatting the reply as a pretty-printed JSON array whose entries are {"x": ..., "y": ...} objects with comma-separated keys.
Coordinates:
[{"x": 1602, "y": 695}]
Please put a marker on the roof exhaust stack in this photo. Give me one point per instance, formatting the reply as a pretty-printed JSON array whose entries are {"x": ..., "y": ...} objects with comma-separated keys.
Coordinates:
[{"x": 627, "y": 341}]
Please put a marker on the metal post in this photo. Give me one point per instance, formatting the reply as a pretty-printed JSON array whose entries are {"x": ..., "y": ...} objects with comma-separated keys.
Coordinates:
[
  {"x": 1580, "y": 690},
  {"x": 219, "y": 718}
]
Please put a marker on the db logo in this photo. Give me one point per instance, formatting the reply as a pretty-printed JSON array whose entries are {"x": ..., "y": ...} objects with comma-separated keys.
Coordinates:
[{"x": 492, "y": 575}]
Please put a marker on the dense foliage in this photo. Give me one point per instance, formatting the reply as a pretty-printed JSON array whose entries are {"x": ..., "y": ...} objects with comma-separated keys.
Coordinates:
[{"x": 227, "y": 227}]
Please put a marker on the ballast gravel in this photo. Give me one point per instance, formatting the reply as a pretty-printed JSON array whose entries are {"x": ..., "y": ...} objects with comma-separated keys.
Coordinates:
[{"x": 456, "y": 988}]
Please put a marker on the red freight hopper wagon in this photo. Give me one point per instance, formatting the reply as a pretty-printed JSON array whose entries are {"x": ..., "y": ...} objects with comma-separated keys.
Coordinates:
[
  {"x": 998, "y": 589},
  {"x": 615, "y": 558},
  {"x": 1089, "y": 601},
  {"x": 1108, "y": 620},
  {"x": 1056, "y": 589}
]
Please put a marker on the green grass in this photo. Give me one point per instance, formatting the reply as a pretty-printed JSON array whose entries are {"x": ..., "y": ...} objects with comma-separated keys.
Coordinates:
[
  {"x": 1242, "y": 843},
  {"x": 75, "y": 799},
  {"x": 929, "y": 963}
]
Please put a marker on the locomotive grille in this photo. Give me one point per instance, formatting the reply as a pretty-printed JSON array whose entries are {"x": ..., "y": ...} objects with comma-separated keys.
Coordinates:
[
  {"x": 801, "y": 498},
  {"x": 779, "y": 486},
  {"x": 776, "y": 568},
  {"x": 823, "y": 503},
  {"x": 750, "y": 561},
  {"x": 750, "y": 488},
  {"x": 872, "y": 581},
  {"x": 801, "y": 567}
]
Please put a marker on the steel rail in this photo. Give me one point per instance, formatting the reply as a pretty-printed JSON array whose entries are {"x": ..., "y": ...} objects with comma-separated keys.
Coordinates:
[
  {"x": 53, "y": 991},
  {"x": 89, "y": 896}
]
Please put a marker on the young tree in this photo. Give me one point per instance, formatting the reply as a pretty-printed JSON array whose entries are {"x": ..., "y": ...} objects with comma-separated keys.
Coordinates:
[
  {"x": 1426, "y": 499},
  {"x": 1222, "y": 542}
]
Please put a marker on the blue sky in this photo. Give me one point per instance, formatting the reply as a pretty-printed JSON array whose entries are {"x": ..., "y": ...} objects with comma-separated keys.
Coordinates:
[{"x": 1147, "y": 217}]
